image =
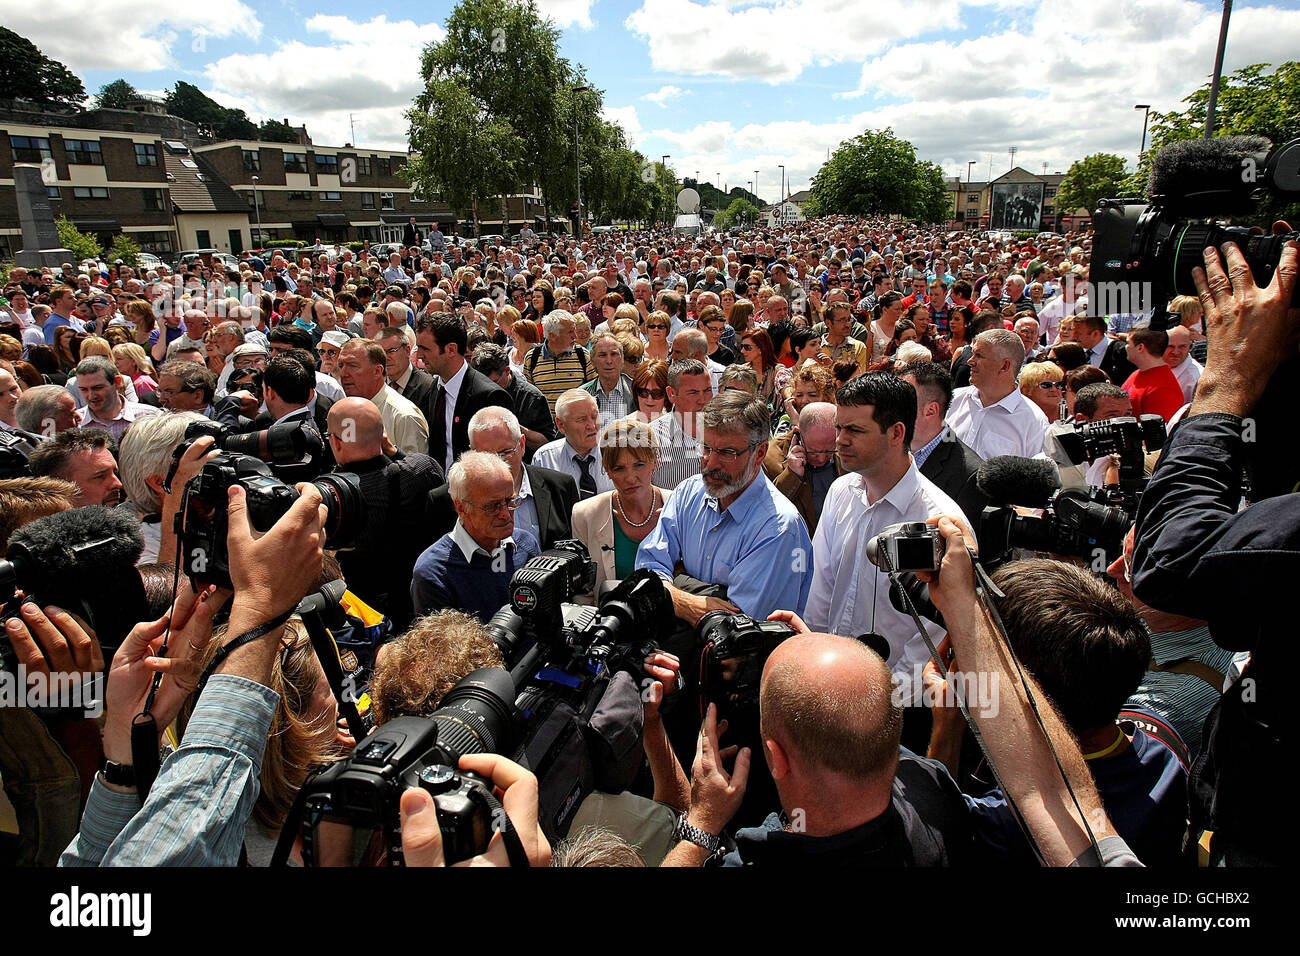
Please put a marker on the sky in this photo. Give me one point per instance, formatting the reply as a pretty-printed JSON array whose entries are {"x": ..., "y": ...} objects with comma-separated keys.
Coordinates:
[{"x": 725, "y": 87}]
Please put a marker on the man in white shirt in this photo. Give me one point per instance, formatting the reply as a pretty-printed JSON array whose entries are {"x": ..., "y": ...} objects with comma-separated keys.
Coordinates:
[
  {"x": 990, "y": 414},
  {"x": 105, "y": 408},
  {"x": 1177, "y": 356},
  {"x": 363, "y": 375},
  {"x": 874, "y": 423},
  {"x": 576, "y": 454}
]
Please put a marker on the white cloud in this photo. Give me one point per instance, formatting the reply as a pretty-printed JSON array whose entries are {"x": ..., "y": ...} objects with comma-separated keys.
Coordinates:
[
  {"x": 370, "y": 69},
  {"x": 626, "y": 117},
  {"x": 665, "y": 93},
  {"x": 128, "y": 35},
  {"x": 773, "y": 40},
  {"x": 567, "y": 13}
]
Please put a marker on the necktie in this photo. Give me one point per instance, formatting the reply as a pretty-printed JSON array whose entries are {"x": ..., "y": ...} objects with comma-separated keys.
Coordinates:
[
  {"x": 587, "y": 484},
  {"x": 438, "y": 427}
]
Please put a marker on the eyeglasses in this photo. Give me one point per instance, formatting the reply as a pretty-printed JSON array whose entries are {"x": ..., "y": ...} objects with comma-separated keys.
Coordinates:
[
  {"x": 507, "y": 456},
  {"x": 507, "y": 504},
  {"x": 746, "y": 347},
  {"x": 1048, "y": 386},
  {"x": 656, "y": 325},
  {"x": 396, "y": 350},
  {"x": 728, "y": 456},
  {"x": 655, "y": 393}
]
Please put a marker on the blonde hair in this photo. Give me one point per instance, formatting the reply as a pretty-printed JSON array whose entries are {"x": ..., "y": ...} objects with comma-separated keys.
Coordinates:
[
  {"x": 1036, "y": 372},
  {"x": 94, "y": 345},
  {"x": 137, "y": 356},
  {"x": 632, "y": 436}
]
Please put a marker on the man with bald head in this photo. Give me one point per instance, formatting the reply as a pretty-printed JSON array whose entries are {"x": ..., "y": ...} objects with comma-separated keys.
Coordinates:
[
  {"x": 1179, "y": 359},
  {"x": 379, "y": 568},
  {"x": 831, "y": 725},
  {"x": 810, "y": 465}
]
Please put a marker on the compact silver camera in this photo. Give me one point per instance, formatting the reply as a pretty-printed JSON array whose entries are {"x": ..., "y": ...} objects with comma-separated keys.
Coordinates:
[{"x": 910, "y": 546}]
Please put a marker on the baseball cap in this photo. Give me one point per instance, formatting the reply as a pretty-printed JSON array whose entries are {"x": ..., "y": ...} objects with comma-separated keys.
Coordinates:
[{"x": 335, "y": 338}]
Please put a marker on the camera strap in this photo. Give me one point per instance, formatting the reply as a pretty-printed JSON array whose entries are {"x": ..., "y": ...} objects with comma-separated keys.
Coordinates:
[{"x": 246, "y": 638}]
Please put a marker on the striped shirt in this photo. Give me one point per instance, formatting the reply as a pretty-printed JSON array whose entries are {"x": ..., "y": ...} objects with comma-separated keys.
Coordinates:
[
  {"x": 198, "y": 806},
  {"x": 679, "y": 453},
  {"x": 553, "y": 375}
]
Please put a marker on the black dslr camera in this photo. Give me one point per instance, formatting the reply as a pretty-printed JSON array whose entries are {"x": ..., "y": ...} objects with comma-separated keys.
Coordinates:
[
  {"x": 350, "y": 813},
  {"x": 1154, "y": 247},
  {"x": 1128, "y": 438},
  {"x": 295, "y": 450},
  {"x": 1078, "y": 522},
  {"x": 733, "y": 650},
  {"x": 202, "y": 523}
]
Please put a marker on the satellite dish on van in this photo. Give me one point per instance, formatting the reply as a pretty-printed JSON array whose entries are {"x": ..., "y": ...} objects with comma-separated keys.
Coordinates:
[{"x": 688, "y": 201}]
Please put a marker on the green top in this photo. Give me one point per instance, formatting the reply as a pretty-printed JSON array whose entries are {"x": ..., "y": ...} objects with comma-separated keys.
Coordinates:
[{"x": 624, "y": 551}]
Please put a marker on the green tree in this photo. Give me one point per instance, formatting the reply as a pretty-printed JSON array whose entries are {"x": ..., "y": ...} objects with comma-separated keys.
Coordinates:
[
  {"x": 1252, "y": 102},
  {"x": 27, "y": 73},
  {"x": 931, "y": 200},
  {"x": 1094, "y": 177},
  {"x": 124, "y": 248},
  {"x": 189, "y": 102},
  {"x": 115, "y": 96},
  {"x": 275, "y": 131},
  {"x": 741, "y": 212},
  {"x": 874, "y": 174},
  {"x": 81, "y": 245}
]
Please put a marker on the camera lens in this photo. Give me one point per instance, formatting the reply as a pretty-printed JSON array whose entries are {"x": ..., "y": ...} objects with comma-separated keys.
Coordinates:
[
  {"x": 477, "y": 716},
  {"x": 346, "y": 508}
]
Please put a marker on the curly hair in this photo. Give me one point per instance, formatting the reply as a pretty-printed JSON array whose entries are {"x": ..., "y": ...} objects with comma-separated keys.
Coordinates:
[{"x": 414, "y": 672}]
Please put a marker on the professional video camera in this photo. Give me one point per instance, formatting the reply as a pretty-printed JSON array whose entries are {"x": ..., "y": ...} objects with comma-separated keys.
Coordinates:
[
  {"x": 1155, "y": 246},
  {"x": 294, "y": 450},
  {"x": 15, "y": 453},
  {"x": 83, "y": 561},
  {"x": 540, "y": 592},
  {"x": 202, "y": 522}
]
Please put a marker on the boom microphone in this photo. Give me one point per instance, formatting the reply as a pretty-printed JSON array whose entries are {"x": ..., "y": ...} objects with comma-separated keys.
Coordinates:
[
  {"x": 1218, "y": 174},
  {"x": 1009, "y": 480},
  {"x": 83, "y": 561}
]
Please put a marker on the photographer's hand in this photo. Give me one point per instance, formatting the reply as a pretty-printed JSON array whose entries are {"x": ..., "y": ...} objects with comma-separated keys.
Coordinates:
[
  {"x": 135, "y": 664},
  {"x": 271, "y": 573},
  {"x": 1250, "y": 330},
  {"x": 517, "y": 790},
  {"x": 791, "y": 620},
  {"x": 53, "y": 641}
]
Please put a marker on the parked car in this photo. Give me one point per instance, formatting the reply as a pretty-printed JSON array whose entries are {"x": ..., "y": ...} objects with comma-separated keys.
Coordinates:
[
  {"x": 224, "y": 259},
  {"x": 147, "y": 261}
]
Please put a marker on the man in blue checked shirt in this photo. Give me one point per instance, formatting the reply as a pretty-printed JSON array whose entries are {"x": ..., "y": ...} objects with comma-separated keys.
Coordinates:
[{"x": 729, "y": 525}]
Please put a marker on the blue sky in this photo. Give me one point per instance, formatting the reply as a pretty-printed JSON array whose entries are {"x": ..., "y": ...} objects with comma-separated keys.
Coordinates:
[{"x": 723, "y": 86}]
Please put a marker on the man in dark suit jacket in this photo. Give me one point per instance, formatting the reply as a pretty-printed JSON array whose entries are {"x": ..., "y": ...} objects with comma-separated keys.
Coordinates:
[
  {"x": 441, "y": 342},
  {"x": 1109, "y": 355},
  {"x": 410, "y": 382},
  {"x": 951, "y": 464}
]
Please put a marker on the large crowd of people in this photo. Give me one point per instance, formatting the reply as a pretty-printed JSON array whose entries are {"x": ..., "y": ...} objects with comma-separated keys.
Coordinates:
[{"x": 738, "y": 414}]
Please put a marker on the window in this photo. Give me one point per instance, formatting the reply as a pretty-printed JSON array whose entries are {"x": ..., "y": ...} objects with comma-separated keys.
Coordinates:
[
  {"x": 89, "y": 192},
  {"x": 327, "y": 164},
  {"x": 972, "y": 198},
  {"x": 367, "y": 200},
  {"x": 363, "y": 165},
  {"x": 52, "y": 192},
  {"x": 331, "y": 196},
  {"x": 386, "y": 201},
  {"x": 83, "y": 152},
  {"x": 155, "y": 242},
  {"x": 252, "y": 161},
  {"x": 415, "y": 195},
  {"x": 155, "y": 199},
  {"x": 1049, "y": 192},
  {"x": 30, "y": 149},
  {"x": 146, "y": 154},
  {"x": 297, "y": 195},
  {"x": 385, "y": 167},
  {"x": 295, "y": 162}
]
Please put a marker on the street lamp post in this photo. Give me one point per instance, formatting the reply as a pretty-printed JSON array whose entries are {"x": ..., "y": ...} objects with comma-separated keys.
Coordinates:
[
  {"x": 664, "y": 164},
  {"x": 781, "y": 198},
  {"x": 1146, "y": 112},
  {"x": 257, "y": 209},
  {"x": 577, "y": 155},
  {"x": 1218, "y": 69},
  {"x": 967, "y": 205},
  {"x": 756, "y": 184}
]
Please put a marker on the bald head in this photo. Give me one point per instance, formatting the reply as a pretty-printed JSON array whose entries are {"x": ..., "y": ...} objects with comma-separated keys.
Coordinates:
[
  {"x": 828, "y": 702},
  {"x": 1180, "y": 345},
  {"x": 817, "y": 415},
  {"x": 356, "y": 430}
]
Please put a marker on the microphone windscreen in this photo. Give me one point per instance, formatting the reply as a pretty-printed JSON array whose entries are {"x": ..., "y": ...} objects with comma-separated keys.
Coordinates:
[
  {"x": 1009, "y": 480},
  {"x": 55, "y": 541},
  {"x": 1219, "y": 172}
]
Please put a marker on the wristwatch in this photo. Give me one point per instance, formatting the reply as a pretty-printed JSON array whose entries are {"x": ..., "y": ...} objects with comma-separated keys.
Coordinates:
[
  {"x": 706, "y": 841},
  {"x": 119, "y": 774}
]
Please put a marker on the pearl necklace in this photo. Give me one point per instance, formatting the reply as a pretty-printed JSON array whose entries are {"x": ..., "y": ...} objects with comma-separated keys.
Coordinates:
[{"x": 630, "y": 523}]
